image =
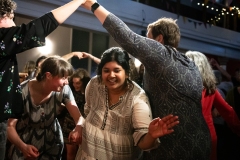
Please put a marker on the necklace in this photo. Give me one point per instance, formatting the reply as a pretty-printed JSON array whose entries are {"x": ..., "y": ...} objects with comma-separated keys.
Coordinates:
[
  {"x": 110, "y": 106},
  {"x": 109, "y": 103}
]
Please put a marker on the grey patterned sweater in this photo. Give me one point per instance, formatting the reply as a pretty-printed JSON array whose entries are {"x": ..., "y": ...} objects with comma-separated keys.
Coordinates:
[{"x": 174, "y": 86}]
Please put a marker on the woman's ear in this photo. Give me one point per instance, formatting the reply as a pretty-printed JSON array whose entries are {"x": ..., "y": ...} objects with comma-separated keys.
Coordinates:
[{"x": 48, "y": 75}]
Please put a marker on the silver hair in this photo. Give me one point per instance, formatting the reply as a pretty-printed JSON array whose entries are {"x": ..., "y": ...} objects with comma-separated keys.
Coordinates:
[{"x": 208, "y": 77}]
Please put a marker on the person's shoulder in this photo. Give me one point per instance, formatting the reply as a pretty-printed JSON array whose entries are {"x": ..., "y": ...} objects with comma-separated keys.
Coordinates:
[
  {"x": 66, "y": 87},
  {"x": 95, "y": 80},
  {"x": 136, "y": 89},
  {"x": 94, "y": 84},
  {"x": 24, "y": 83},
  {"x": 47, "y": 17},
  {"x": 9, "y": 31},
  {"x": 24, "y": 86},
  {"x": 178, "y": 54},
  {"x": 138, "y": 93}
]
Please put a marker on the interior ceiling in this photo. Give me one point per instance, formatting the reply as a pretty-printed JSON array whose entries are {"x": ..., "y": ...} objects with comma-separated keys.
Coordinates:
[{"x": 222, "y": 13}]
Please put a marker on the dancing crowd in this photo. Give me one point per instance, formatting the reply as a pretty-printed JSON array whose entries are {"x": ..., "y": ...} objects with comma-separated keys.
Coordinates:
[{"x": 58, "y": 112}]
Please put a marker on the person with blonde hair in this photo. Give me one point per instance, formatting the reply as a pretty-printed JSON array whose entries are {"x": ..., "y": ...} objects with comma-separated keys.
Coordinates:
[{"x": 212, "y": 98}]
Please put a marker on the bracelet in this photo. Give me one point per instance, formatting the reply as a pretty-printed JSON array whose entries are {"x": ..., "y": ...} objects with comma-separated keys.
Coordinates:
[{"x": 94, "y": 6}]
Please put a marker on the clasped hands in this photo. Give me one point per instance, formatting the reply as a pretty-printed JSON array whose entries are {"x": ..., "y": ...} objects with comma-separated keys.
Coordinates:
[
  {"x": 88, "y": 3},
  {"x": 75, "y": 136}
]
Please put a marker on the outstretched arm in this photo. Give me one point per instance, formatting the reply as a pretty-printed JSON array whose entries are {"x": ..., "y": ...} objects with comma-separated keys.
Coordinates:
[
  {"x": 87, "y": 55},
  {"x": 125, "y": 37},
  {"x": 227, "y": 112},
  {"x": 214, "y": 63},
  {"x": 28, "y": 151},
  {"x": 76, "y": 135},
  {"x": 81, "y": 55},
  {"x": 73, "y": 54},
  {"x": 63, "y": 12},
  {"x": 158, "y": 128}
]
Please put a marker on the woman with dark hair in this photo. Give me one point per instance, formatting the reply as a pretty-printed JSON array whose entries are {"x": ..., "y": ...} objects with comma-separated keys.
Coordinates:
[
  {"x": 118, "y": 115},
  {"x": 77, "y": 82},
  {"x": 37, "y": 134}
]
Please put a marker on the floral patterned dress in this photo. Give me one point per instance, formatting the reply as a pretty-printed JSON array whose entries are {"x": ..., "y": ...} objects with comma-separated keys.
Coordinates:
[{"x": 14, "y": 40}]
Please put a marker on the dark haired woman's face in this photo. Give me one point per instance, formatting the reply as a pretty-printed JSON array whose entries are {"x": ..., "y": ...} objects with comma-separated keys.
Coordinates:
[
  {"x": 77, "y": 83},
  {"x": 113, "y": 75}
]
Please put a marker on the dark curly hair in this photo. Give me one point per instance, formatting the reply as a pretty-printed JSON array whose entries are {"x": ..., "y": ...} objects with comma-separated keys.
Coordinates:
[{"x": 7, "y": 7}]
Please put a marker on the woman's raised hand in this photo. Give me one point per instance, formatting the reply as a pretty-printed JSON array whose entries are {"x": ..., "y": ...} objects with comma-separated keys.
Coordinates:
[{"x": 160, "y": 127}]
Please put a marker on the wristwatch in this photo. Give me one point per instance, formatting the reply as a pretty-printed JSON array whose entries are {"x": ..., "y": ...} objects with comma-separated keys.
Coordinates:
[{"x": 94, "y": 6}]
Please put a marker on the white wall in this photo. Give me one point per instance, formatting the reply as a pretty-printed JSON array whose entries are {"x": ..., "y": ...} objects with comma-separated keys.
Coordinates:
[
  {"x": 211, "y": 40},
  {"x": 61, "y": 40}
]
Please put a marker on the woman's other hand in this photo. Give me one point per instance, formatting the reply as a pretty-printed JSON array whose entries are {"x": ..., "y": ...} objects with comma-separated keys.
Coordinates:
[
  {"x": 75, "y": 136},
  {"x": 160, "y": 127},
  {"x": 30, "y": 152}
]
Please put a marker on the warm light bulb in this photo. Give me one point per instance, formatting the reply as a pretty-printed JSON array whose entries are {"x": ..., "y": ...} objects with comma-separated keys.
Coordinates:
[{"x": 47, "y": 49}]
